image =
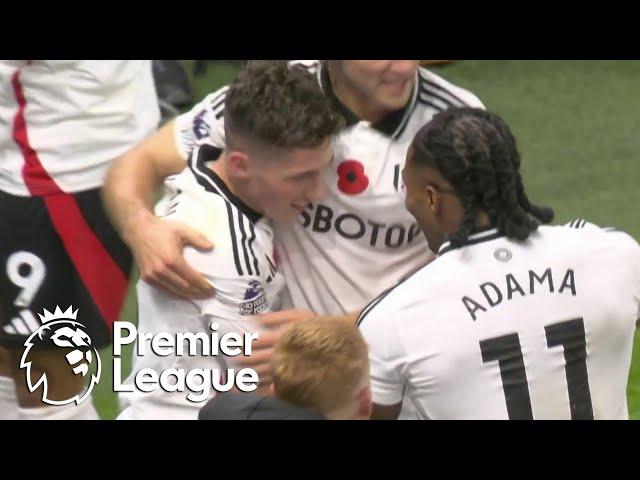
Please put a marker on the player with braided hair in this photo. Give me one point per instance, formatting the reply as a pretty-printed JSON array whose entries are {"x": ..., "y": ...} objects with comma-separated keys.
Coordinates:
[
  {"x": 514, "y": 319},
  {"x": 476, "y": 153}
]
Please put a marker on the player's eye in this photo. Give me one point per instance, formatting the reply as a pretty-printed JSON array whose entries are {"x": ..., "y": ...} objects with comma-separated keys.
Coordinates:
[{"x": 303, "y": 176}]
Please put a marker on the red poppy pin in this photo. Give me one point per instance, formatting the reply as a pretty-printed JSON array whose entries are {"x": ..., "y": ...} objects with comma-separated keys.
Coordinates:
[{"x": 351, "y": 177}]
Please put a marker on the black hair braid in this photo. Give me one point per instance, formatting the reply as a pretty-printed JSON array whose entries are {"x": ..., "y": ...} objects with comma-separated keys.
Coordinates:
[
  {"x": 542, "y": 214},
  {"x": 476, "y": 152},
  {"x": 501, "y": 198},
  {"x": 478, "y": 189}
]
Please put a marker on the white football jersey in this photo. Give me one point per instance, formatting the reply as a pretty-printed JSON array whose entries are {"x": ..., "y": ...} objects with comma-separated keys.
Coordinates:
[
  {"x": 241, "y": 268},
  {"x": 498, "y": 329},
  {"x": 360, "y": 239},
  {"x": 63, "y": 121}
]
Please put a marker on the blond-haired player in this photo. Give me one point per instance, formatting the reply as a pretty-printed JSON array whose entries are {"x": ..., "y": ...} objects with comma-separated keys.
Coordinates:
[
  {"x": 322, "y": 365},
  {"x": 320, "y": 371}
]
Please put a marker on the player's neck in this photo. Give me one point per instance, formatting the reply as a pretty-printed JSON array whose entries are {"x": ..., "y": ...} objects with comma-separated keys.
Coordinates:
[
  {"x": 361, "y": 106},
  {"x": 238, "y": 189},
  {"x": 482, "y": 221},
  {"x": 454, "y": 219}
]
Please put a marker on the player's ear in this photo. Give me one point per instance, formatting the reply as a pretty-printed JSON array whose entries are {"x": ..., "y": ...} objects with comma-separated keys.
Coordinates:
[
  {"x": 365, "y": 405},
  {"x": 433, "y": 199},
  {"x": 238, "y": 164}
]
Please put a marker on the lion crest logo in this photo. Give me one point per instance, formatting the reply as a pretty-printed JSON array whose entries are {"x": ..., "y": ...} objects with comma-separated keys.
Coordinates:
[{"x": 61, "y": 330}]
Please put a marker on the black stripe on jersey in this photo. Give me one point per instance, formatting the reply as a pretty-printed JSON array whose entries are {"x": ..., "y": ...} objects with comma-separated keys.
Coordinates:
[
  {"x": 218, "y": 109},
  {"x": 396, "y": 177},
  {"x": 429, "y": 93},
  {"x": 430, "y": 104},
  {"x": 272, "y": 267},
  {"x": 219, "y": 98},
  {"x": 366, "y": 310},
  {"x": 471, "y": 241},
  {"x": 405, "y": 121},
  {"x": 404, "y": 124},
  {"x": 219, "y": 113},
  {"x": 236, "y": 257},
  {"x": 394, "y": 124},
  {"x": 252, "y": 238},
  {"x": 391, "y": 122},
  {"x": 198, "y": 156},
  {"x": 212, "y": 183},
  {"x": 576, "y": 223},
  {"x": 174, "y": 204},
  {"x": 245, "y": 250},
  {"x": 171, "y": 211},
  {"x": 426, "y": 81},
  {"x": 219, "y": 106}
]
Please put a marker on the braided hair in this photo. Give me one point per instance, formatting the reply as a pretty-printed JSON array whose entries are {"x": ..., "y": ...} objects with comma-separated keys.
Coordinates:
[{"x": 476, "y": 153}]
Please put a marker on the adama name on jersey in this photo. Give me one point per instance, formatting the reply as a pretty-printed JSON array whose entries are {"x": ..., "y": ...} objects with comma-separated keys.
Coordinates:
[{"x": 493, "y": 294}]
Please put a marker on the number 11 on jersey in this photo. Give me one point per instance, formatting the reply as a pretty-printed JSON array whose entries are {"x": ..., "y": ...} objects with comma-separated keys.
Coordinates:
[{"x": 506, "y": 350}]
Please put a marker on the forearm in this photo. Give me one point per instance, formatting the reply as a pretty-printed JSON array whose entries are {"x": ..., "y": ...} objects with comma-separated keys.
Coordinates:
[
  {"x": 132, "y": 181},
  {"x": 129, "y": 192}
]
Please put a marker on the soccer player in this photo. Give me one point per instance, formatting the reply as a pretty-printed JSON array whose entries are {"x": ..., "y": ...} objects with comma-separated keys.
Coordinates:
[
  {"x": 323, "y": 366},
  {"x": 326, "y": 255},
  {"x": 513, "y": 320},
  {"x": 342, "y": 251},
  {"x": 320, "y": 367},
  {"x": 62, "y": 123},
  {"x": 278, "y": 126}
]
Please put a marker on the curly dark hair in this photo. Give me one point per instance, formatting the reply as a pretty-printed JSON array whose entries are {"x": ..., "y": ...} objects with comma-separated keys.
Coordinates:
[
  {"x": 476, "y": 152},
  {"x": 275, "y": 105}
]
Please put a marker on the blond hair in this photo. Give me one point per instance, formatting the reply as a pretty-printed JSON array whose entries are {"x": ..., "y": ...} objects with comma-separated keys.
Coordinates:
[{"x": 319, "y": 364}]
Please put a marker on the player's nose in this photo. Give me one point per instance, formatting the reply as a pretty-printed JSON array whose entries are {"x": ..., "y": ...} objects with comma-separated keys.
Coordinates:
[{"x": 317, "y": 192}]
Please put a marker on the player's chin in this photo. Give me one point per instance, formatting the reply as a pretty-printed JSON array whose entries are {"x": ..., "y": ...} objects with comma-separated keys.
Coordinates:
[
  {"x": 396, "y": 99},
  {"x": 288, "y": 215},
  {"x": 298, "y": 208}
]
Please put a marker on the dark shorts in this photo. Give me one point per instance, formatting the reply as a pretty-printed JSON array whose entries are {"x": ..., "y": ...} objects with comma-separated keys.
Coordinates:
[{"x": 59, "y": 251}]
